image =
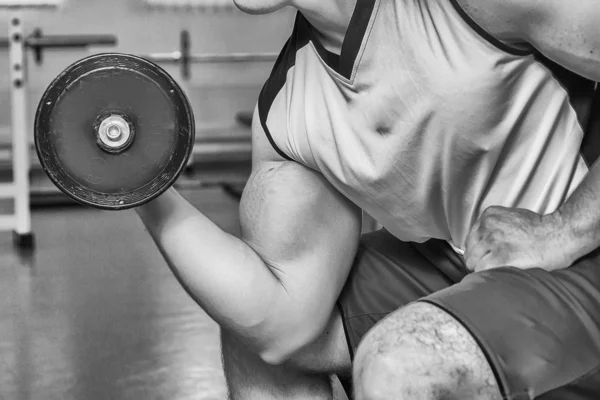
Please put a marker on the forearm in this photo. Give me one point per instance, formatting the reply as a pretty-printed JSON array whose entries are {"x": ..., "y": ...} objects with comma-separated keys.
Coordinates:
[
  {"x": 219, "y": 271},
  {"x": 580, "y": 215}
]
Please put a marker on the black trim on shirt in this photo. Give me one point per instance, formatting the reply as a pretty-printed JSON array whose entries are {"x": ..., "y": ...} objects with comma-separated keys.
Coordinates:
[
  {"x": 302, "y": 34},
  {"x": 357, "y": 28},
  {"x": 486, "y": 35},
  {"x": 355, "y": 35},
  {"x": 306, "y": 30},
  {"x": 278, "y": 77}
]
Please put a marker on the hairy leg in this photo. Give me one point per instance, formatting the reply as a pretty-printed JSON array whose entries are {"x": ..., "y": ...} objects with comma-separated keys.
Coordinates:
[
  {"x": 421, "y": 352},
  {"x": 305, "y": 376}
]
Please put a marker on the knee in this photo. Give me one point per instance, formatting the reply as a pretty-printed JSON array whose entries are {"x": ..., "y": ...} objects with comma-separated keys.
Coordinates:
[
  {"x": 385, "y": 376},
  {"x": 418, "y": 353},
  {"x": 373, "y": 374}
]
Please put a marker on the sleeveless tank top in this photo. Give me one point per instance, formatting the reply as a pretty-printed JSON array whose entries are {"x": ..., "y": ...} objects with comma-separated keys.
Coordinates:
[{"x": 424, "y": 120}]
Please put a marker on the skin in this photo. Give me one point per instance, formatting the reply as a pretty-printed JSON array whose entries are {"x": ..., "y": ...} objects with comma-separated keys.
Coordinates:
[
  {"x": 518, "y": 238},
  {"x": 330, "y": 18},
  {"x": 261, "y": 6},
  {"x": 420, "y": 352},
  {"x": 274, "y": 288}
]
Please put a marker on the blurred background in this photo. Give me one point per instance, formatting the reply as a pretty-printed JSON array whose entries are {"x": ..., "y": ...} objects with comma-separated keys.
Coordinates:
[
  {"x": 88, "y": 307},
  {"x": 217, "y": 91},
  {"x": 92, "y": 311}
]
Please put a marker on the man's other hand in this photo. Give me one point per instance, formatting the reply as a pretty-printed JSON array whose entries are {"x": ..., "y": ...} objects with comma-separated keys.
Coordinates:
[{"x": 513, "y": 237}]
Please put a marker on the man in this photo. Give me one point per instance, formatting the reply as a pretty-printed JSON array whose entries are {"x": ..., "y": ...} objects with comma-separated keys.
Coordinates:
[{"x": 435, "y": 117}]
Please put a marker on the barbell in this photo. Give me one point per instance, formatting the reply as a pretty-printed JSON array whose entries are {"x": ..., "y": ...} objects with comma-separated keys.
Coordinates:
[
  {"x": 39, "y": 42},
  {"x": 113, "y": 131},
  {"x": 185, "y": 58}
]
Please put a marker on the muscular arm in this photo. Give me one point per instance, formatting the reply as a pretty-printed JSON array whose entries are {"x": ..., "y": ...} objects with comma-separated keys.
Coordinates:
[
  {"x": 567, "y": 32},
  {"x": 276, "y": 286}
]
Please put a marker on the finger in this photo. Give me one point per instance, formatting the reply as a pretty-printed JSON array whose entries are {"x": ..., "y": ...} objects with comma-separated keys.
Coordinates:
[
  {"x": 496, "y": 258},
  {"x": 474, "y": 235},
  {"x": 487, "y": 262},
  {"x": 473, "y": 238},
  {"x": 476, "y": 248},
  {"x": 474, "y": 257},
  {"x": 494, "y": 210},
  {"x": 475, "y": 253}
]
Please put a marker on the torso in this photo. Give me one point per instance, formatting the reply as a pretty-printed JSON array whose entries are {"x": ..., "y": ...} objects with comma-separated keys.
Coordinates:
[{"x": 423, "y": 120}]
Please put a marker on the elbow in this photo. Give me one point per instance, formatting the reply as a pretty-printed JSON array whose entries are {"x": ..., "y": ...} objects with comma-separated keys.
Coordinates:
[
  {"x": 277, "y": 355},
  {"x": 279, "y": 352},
  {"x": 288, "y": 341},
  {"x": 287, "y": 329},
  {"x": 274, "y": 341},
  {"x": 273, "y": 357}
]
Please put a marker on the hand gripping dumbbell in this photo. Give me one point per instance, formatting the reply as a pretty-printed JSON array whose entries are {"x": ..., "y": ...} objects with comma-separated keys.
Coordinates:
[{"x": 114, "y": 131}]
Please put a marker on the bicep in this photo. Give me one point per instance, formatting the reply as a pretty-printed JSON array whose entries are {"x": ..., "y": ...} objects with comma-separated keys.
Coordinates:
[
  {"x": 302, "y": 228},
  {"x": 289, "y": 213},
  {"x": 307, "y": 234}
]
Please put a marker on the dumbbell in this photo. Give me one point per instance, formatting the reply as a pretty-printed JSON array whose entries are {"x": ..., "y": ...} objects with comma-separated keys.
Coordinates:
[{"x": 113, "y": 131}]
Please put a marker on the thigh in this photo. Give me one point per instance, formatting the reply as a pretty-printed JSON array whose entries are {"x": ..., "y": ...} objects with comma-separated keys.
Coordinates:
[
  {"x": 388, "y": 274},
  {"x": 540, "y": 331}
]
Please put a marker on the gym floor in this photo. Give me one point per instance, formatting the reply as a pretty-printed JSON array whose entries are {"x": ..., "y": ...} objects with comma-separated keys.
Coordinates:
[{"x": 95, "y": 313}]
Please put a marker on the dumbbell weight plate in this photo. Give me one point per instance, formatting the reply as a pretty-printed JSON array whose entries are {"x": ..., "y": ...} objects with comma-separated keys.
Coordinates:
[{"x": 113, "y": 131}]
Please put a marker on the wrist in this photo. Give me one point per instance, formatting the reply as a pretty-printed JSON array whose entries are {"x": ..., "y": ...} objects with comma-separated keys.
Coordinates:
[
  {"x": 574, "y": 238},
  {"x": 158, "y": 210}
]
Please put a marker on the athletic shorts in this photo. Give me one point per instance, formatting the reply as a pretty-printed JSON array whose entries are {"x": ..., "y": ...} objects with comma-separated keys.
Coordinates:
[{"x": 539, "y": 330}]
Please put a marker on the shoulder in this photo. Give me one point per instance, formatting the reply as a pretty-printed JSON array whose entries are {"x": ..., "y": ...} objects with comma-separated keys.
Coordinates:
[{"x": 505, "y": 20}]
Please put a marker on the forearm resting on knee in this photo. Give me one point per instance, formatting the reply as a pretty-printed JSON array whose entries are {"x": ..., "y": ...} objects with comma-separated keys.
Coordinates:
[{"x": 228, "y": 279}]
